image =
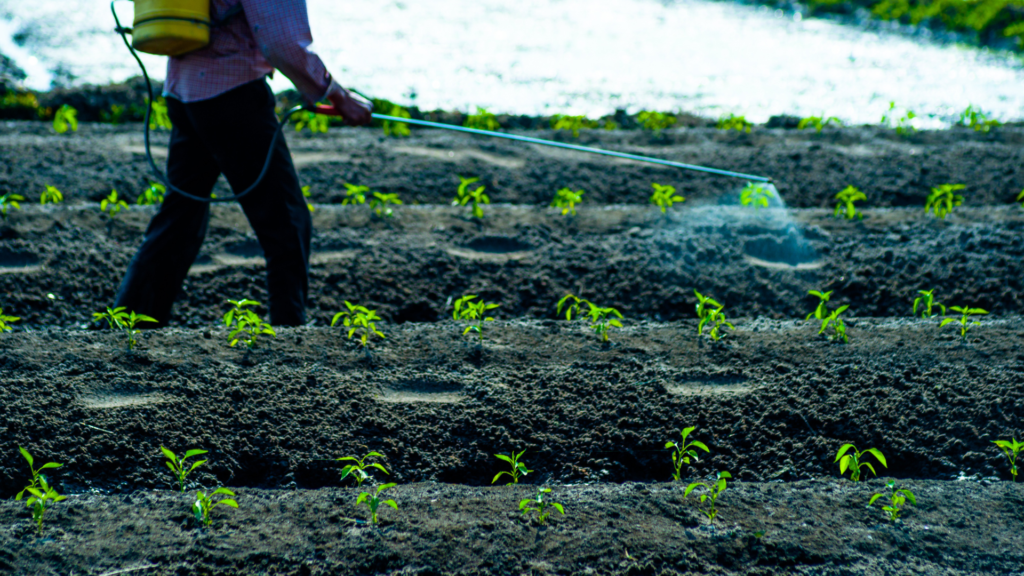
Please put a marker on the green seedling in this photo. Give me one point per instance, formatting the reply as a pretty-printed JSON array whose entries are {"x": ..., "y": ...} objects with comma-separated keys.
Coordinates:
[
  {"x": 475, "y": 312},
  {"x": 655, "y": 121},
  {"x": 976, "y": 119},
  {"x": 315, "y": 122},
  {"x": 6, "y": 321},
  {"x": 572, "y": 123},
  {"x": 849, "y": 458},
  {"x": 204, "y": 504},
  {"x": 942, "y": 200},
  {"x": 10, "y": 201},
  {"x": 115, "y": 115},
  {"x": 610, "y": 125},
  {"x": 306, "y": 195},
  {"x": 112, "y": 205},
  {"x": 572, "y": 306},
  {"x": 665, "y": 196},
  {"x": 518, "y": 468},
  {"x": 37, "y": 473},
  {"x": 245, "y": 325},
  {"x": 965, "y": 319},
  {"x": 897, "y": 500},
  {"x": 395, "y": 128},
  {"x": 152, "y": 195},
  {"x": 380, "y": 204},
  {"x": 603, "y": 319},
  {"x": 179, "y": 467},
  {"x": 475, "y": 198},
  {"x": 1012, "y": 449},
  {"x": 159, "y": 119},
  {"x": 902, "y": 124},
  {"x": 567, "y": 200},
  {"x": 845, "y": 203},
  {"x": 121, "y": 319},
  {"x": 821, "y": 312},
  {"x": 927, "y": 302},
  {"x": 733, "y": 122},
  {"x": 66, "y": 118},
  {"x": 358, "y": 470},
  {"x": 355, "y": 194},
  {"x": 712, "y": 492},
  {"x": 756, "y": 195},
  {"x": 838, "y": 327},
  {"x": 482, "y": 120},
  {"x": 359, "y": 319},
  {"x": 710, "y": 313},
  {"x": 374, "y": 501},
  {"x": 539, "y": 505},
  {"x": 818, "y": 123},
  {"x": 37, "y": 501},
  {"x": 51, "y": 196},
  {"x": 683, "y": 452},
  {"x": 1020, "y": 198}
]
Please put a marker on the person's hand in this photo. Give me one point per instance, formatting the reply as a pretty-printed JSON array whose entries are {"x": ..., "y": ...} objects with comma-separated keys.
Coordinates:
[{"x": 351, "y": 107}]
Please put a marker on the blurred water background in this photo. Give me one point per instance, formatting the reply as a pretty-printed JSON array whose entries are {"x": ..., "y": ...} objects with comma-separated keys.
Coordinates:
[{"x": 577, "y": 56}]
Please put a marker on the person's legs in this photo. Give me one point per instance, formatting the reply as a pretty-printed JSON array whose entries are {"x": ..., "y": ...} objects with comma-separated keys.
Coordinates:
[
  {"x": 238, "y": 128},
  {"x": 175, "y": 234}
]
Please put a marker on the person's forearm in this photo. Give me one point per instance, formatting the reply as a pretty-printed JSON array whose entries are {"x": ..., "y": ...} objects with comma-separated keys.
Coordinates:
[{"x": 281, "y": 29}]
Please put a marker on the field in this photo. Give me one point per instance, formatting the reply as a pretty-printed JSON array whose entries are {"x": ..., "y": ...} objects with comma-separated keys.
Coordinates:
[{"x": 773, "y": 400}]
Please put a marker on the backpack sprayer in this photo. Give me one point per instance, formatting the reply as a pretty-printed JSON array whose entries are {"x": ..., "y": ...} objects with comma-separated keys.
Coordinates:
[{"x": 175, "y": 27}]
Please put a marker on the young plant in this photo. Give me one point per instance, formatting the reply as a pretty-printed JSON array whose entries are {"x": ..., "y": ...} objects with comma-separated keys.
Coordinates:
[
  {"x": 974, "y": 118},
  {"x": 6, "y": 321},
  {"x": 380, "y": 204},
  {"x": 482, "y": 120},
  {"x": 374, "y": 501},
  {"x": 838, "y": 327},
  {"x": 152, "y": 195},
  {"x": 572, "y": 123},
  {"x": 603, "y": 319},
  {"x": 315, "y": 122},
  {"x": 942, "y": 200},
  {"x": 539, "y": 505},
  {"x": 247, "y": 325},
  {"x": 1012, "y": 449},
  {"x": 897, "y": 500},
  {"x": 567, "y": 200},
  {"x": 965, "y": 319},
  {"x": 821, "y": 312},
  {"x": 355, "y": 194},
  {"x": 712, "y": 492},
  {"x": 655, "y": 121},
  {"x": 51, "y": 196},
  {"x": 475, "y": 312},
  {"x": 1020, "y": 198},
  {"x": 121, "y": 319},
  {"x": 358, "y": 470},
  {"x": 159, "y": 119},
  {"x": 926, "y": 301},
  {"x": 38, "y": 501},
  {"x": 475, "y": 198},
  {"x": 849, "y": 458},
  {"x": 204, "y": 504},
  {"x": 358, "y": 319},
  {"x": 115, "y": 115},
  {"x": 10, "y": 201},
  {"x": 37, "y": 473},
  {"x": 818, "y": 123},
  {"x": 306, "y": 195},
  {"x": 710, "y": 313},
  {"x": 665, "y": 196},
  {"x": 395, "y": 128},
  {"x": 572, "y": 306},
  {"x": 518, "y": 468},
  {"x": 683, "y": 452},
  {"x": 902, "y": 124},
  {"x": 179, "y": 467},
  {"x": 733, "y": 122},
  {"x": 66, "y": 118},
  {"x": 845, "y": 203},
  {"x": 756, "y": 195},
  {"x": 112, "y": 205}
]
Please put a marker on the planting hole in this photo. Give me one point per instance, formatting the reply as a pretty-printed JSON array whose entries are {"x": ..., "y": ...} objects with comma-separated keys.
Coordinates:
[
  {"x": 785, "y": 248},
  {"x": 13, "y": 262},
  {"x": 493, "y": 249},
  {"x": 419, "y": 390},
  {"x": 105, "y": 400},
  {"x": 710, "y": 386}
]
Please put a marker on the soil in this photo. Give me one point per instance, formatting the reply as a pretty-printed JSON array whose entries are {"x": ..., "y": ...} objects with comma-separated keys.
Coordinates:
[{"x": 773, "y": 401}]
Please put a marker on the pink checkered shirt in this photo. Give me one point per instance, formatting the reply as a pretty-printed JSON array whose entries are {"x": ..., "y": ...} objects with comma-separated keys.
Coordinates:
[{"x": 268, "y": 34}]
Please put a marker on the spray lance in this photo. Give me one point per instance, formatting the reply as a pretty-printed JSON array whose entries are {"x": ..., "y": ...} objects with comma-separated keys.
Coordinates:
[{"x": 174, "y": 27}]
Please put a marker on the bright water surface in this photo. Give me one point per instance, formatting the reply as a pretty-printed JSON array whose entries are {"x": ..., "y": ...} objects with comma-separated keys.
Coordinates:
[{"x": 579, "y": 56}]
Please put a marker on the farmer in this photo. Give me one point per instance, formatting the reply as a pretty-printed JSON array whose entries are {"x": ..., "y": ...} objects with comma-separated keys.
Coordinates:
[{"x": 223, "y": 115}]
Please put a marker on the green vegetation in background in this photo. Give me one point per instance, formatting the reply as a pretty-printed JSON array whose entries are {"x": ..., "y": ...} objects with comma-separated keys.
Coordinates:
[
  {"x": 381, "y": 204},
  {"x": 397, "y": 129},
  {"x": 901, "y": 124},
  {"x": 733, "y": 122},
  {"x": 573, "y": 123},
  {"x": 158, "y": 118},
  {"x": 974, "y": 118},
  {"x": 482, "y": 120},
  {"x": 6, "y": 321},
  {"x": 818, "y": 123},
  {"x": 315, "y": 122},
  {"x": 655, "y": 121},
  {"x": 152, "y": 195}
]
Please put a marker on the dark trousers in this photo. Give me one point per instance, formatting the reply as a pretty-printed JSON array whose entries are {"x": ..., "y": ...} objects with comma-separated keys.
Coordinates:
[{"x": 229, "y": 134}]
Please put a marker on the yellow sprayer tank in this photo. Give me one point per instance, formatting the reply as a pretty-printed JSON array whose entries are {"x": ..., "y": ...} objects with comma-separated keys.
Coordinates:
[{"x": 171, "y": 27}]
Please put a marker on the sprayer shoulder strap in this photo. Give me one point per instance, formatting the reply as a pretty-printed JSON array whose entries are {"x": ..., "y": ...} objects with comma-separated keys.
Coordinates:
[{"x": 227, "y": 16}]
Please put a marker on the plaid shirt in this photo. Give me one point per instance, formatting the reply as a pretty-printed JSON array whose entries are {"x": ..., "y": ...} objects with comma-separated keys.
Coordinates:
[{"x": 268, "y": 34}]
